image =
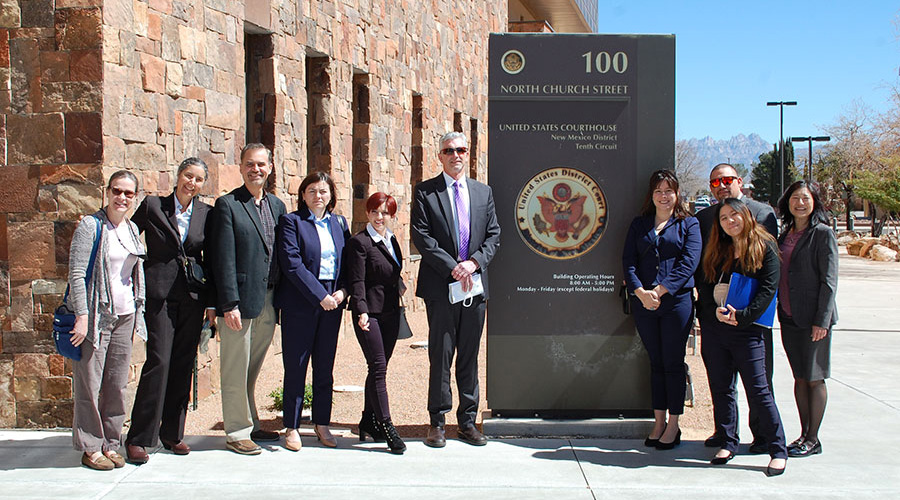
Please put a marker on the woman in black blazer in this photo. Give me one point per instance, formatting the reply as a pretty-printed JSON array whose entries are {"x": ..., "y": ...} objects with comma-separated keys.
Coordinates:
[
  {"x": 806, "y": 306},
  {"x": 175, "y": 229},
  {"x": 374, "y": 261},
  {"x": 731, "y": 338},
  {"x": 310, "y": 294},
  {"x": 661, "y": 254}
]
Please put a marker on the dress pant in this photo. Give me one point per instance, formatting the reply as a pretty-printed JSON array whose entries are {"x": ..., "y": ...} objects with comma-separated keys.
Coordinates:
[
  {"x": 454, "y": 328},
  {"x": 377, "y": 345},
  {"x": 173, "y": 333},
  {"x": 98, "y": 386},
  {"x": 727, "y": 350},
  {"x": 309, "y": 334},
  {"x": 241, "y": 354},
  {"x": 664, "y": 333}
]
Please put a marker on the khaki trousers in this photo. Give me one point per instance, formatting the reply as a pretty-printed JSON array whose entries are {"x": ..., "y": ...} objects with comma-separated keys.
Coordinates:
[{"x": 241, "y": 354}]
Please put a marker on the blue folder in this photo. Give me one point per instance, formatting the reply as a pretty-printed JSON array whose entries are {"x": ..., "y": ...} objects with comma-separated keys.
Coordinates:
[{"x": 741, "y": 290}]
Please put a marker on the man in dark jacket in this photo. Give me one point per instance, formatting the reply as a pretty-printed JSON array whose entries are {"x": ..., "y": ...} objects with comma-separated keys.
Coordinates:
[
  {"x": 245, "y": 270},
  {"x": 724, "y": 182}
]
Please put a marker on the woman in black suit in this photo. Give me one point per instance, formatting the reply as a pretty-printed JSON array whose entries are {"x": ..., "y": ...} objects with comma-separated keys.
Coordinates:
[
  {"x": 175, "y": 230},
  {"x": 374, "y": 261},
  {"x": 806, "y": 306},
  {"x": 661, "y": 254},
  {"x": 310, "y": 295},
  {"x": 732, "y": 339}
]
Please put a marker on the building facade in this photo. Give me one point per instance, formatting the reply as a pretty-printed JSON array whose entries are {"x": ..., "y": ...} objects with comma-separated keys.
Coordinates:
[{"x": 361, "y": 89}]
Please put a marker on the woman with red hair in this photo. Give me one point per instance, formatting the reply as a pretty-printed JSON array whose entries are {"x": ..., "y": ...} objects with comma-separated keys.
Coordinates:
[{"x": 374, "y": 261}]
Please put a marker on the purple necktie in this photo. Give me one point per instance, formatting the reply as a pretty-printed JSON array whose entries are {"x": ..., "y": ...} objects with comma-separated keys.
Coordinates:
[{"x": 462, "y": 216}]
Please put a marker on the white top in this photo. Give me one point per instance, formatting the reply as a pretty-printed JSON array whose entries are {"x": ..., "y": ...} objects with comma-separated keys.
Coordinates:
[
  {"x": 463, "y": 193},
  {"x": 120, "y": 266},
  {"x": 386, "y": 239},
  {"x": 183, "y": 218},
  {"x": 328, "y": 256}
]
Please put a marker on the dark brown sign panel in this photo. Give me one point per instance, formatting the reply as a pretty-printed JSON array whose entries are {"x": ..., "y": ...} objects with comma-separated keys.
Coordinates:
[{"x": 576, "y": 125}]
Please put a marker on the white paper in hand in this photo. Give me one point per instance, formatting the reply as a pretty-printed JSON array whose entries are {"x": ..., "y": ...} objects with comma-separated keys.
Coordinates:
[{"x": 458, "y": 295}]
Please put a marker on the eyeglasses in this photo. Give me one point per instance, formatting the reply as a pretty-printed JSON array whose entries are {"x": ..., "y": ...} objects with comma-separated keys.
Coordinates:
[
  {"x": 117, "y": 192},
  {"x": 460, "y": 151},
  {"x": 725, "y": 181}
]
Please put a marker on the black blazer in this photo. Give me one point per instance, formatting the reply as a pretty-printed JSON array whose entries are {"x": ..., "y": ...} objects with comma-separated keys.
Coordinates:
[
  {"x": 239, "y": 257},
  {"x": 432, "y": 231},
  {"x": 813, "y": 277},
  {"x": 374, "y": 275},
  {"x": 155, "y": 217}
]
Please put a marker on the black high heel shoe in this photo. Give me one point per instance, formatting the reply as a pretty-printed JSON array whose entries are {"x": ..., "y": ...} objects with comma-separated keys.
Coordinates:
[
  {"x": 668, "y": 446},
  {"x": 392, "y": 438},
  {"x": 369, "y": 426},
  {"x": 651, "y": 443},
  {"x": 722, "y": 460}
]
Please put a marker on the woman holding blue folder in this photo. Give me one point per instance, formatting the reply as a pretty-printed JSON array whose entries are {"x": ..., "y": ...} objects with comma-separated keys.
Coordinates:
[
  {"x": 806, "y": 308},
  {"x": 740, "y": 250},
  {"x": 660, "y": 256}
]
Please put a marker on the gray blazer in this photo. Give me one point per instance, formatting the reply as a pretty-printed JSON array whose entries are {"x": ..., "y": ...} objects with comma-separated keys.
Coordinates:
[
  {"x": 813, "y": 277},
  {"x": 94, "y": 299},
  {"x": 433, "y": 232}
]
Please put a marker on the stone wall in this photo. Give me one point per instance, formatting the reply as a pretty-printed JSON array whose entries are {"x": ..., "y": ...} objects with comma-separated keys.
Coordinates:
[{"x": 360, "y": 88}]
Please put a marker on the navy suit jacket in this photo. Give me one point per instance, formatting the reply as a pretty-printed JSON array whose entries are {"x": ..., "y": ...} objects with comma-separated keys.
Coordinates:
[
  {"x": 669, "y": 260},
  {"x": 432, "y": 230},
  {"x": 300, "y": 255}
]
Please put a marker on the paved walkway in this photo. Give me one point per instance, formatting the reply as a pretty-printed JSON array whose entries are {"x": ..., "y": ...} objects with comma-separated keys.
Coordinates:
[{"x": 860, "y": 439}]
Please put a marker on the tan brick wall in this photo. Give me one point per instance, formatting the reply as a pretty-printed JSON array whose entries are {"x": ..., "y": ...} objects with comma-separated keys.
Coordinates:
[{"x": 92, "y": 86}]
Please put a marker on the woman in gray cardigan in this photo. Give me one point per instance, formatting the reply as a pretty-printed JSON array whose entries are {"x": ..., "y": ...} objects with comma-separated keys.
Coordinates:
[
  {"x": 806, "y": 308},
  {"x": 109, "y": 311}
]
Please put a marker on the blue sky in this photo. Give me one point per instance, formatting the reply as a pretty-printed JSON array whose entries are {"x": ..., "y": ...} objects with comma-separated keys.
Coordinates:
[{"x": 733, "y": 57}]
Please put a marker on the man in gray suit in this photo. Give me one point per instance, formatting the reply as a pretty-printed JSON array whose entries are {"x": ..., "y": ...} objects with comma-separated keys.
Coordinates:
[
  {"x": 244, "y": 270},
  {"x": 454, "y": 227},
  {"x": 724, "y": 182}
]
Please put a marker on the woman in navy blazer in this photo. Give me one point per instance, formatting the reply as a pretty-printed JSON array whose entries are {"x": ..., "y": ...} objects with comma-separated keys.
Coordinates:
[
  {"x": 662, "y": 251},
  {"x": 310, "y": 295},
  {"x": 374, "y": 261}
]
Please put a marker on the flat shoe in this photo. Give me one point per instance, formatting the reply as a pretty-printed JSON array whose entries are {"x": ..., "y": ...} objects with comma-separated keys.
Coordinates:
[
  {"x": 797, "y": 442},
  {"x": 805, "y": 449},
  {"x": 722, "y": 460},
  {"x": 243, "y": 447},
  {"x": 262, "y": 435},
  {"x": 179, "y": 448},
  {"x": 100, "y": 463},
  {"x": 117, "y": 460}
]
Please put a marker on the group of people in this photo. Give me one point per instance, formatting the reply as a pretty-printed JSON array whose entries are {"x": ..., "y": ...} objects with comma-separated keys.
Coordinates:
[
  {"x": 668, "y": 254},
  {"x": 246, "y": 264}
]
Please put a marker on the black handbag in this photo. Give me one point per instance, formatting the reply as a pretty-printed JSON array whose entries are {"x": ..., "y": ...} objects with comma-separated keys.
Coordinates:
[
  {"x": 404, "y": 332},
  {"x": 64, "y": 317},
  {"x": 626, "y": 299},
  {"x": 193, "y": 274}
]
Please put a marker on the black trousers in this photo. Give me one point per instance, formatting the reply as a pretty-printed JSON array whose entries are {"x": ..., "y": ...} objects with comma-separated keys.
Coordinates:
[
  {"x": 725, "y": 351},
  {"x": 160, "y": 405},
  {"x": 454, "y": 328},
  {"x": 377, "y": 346}
]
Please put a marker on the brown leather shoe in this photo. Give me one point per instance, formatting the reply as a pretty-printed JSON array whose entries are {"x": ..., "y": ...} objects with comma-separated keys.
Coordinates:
[
  {"x": 99, "y": 463},
  {"x": 137, "y": 455},
  {"x": 117, "y": 460},
  {"x": 263, "y": 436},
  {"x": 292, "y": 440},
  {"x": 435, "y": 437},
  {"x": 179, "y": 448},
  {"x": 471, "y": 435},
  {"x": 243, "y": 447}
]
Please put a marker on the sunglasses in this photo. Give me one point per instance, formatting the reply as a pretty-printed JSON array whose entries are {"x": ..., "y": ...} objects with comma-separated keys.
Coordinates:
[
  {"x": 725, "y": 181},
  {"x": 460, "y": 150},
  {"x": 117, "y": 192}
]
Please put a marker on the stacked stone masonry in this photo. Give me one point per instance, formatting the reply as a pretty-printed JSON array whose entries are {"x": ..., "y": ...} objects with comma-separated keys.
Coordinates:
[{"x": 88, "y": 87}]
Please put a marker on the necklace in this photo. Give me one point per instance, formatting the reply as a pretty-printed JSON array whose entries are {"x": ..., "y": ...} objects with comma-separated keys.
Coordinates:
[{"x": 115, "y": 231}]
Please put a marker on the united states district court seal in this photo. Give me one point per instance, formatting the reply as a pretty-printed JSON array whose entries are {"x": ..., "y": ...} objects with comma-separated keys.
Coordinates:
[{"x": 561, "y": 213}]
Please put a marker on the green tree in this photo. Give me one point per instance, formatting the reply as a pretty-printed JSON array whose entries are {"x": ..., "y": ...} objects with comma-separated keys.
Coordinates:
[{"x": 765, "y": 174}]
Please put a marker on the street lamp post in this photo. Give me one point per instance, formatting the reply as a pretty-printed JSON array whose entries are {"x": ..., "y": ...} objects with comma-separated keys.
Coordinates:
[
  {"x": 810, "y": 140},
  {"x": 781, "y": 105}
]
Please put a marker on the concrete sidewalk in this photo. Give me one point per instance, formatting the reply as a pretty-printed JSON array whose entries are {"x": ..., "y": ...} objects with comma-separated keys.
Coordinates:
[{"x": 859, "y": 436}]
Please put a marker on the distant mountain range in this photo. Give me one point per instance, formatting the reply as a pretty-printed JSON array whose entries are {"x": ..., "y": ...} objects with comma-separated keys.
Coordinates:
[{"x": 741, "y": 148}]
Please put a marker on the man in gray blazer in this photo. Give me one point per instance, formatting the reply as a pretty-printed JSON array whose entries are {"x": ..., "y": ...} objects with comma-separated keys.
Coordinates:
[
  {"x": 454, "y": 227},
  {"x": 724, "y": 182},
  {"x": 245, "y": 271}
]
